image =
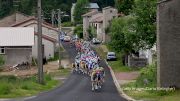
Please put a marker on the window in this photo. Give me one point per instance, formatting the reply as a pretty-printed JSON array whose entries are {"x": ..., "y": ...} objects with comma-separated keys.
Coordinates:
[
  {"x": 110, "y": 11},
  {"x": 2, "y": 50}
]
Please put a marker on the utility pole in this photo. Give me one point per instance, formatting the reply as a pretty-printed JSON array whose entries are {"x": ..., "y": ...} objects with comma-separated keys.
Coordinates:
[
  {"x": 59, "y": 29},
  {"x": 40, "y": 62},
  {"x": 52, "y": 17}
]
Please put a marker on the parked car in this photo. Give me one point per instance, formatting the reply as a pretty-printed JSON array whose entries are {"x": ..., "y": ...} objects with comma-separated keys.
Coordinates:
[
  {"x": 111, "y": 56},
  {"x": 67, "y": 38},
  {"x": 96, "y": 41}
]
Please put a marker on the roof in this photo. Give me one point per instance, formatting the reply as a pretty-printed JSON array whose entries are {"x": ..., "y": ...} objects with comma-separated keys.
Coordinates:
[
  {"x": 120, "y": 14},
  {"x": 108, "y": 7},
  {"x": 47, "y": 37},
  {"x": 44, "y": 24},
  {"x": 98, "y": 18},
  {"x": 90, "y": 13},
  {"x": 13, "y": 18},
  {"x": 90, "y": 6},
  {"x": 16, "y": 36},
  {"x": 93, "y": 6}
]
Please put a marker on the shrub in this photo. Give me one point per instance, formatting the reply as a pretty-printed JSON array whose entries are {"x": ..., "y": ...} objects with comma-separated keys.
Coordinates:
[
  {"x": 48, "y": 77},
  {"x": 67, "y": 24},
  {"x": 5, "y": 88},
  {"x": 148, "y": 73},
  {"x": 27, "y": 85},
  {"x": 9, "y": 78},
  {"x": 79, "y": 31}
]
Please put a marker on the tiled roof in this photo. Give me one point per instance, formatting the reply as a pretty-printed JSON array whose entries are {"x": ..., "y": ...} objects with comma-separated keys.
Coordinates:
[
  {"x": 90, "y": 13},
  {"x": 44, "y": 24},
  {"x": 98, "y": 18},
  {"x": 107, "y": 7}
]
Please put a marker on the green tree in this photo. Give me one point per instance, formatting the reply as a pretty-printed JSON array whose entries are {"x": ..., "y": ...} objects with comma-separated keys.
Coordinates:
[
  {"x": 145, "y": 12},
  {"x": 123, "y": 34},
  {"x": 79, "y": 10},
  {"x": 6, "y": 7},
  {"x": 27, "y": 6},
  {"x": 79, "y": 31},
  {"x": 104, "y": 3},
  {"x": 92, "y": 32},
  {"x": 124, "y": 6}
]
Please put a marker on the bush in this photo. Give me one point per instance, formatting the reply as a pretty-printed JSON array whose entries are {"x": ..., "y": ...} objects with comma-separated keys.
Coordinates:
[
  {"x": 9, "y": 78},
  {"x": 5, "y": 88},
  {"x": 148, "y": 73},
  {"x": 79, "y": 31},
  {"x": 67, "y": 24},
  {"x": 48, "y": 77},
  {"x": 27, "y": 85}
]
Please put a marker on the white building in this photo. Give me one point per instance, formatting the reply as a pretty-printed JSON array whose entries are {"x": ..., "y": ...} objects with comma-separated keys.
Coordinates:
[
  {"x": 49, "y": 35},
  {"x": 16, "y": 44}
]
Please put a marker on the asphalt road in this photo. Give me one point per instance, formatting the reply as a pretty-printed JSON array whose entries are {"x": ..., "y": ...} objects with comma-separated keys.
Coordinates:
[{"x": 78, "y": 87}]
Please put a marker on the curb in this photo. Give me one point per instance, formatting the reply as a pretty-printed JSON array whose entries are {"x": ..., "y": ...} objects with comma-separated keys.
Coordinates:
[
  {"x": 121, "y": 92},
  {"x": 18, "y": 99}
]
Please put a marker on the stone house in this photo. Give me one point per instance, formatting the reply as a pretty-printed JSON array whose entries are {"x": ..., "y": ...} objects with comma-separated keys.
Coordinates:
[
  {"x": 96, "y": 21},
  {"x": 100, "y": 21},
  {"x": 16, "y": 44},
  {"x": 86, "y": 22}
]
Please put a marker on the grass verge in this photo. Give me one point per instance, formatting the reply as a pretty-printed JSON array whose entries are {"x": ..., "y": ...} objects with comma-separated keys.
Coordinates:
[
  {"x": 13, "y": 87},
  {"x": 144, "y": 88},
  {"x": 152, "y": 95}
]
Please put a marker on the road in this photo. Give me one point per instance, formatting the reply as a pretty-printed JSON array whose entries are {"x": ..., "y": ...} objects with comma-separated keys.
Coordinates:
[{"x": 78, "y": 87}]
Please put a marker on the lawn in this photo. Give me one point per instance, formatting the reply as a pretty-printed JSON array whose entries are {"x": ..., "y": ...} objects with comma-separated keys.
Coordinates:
[{"x": 13, "y": 87}]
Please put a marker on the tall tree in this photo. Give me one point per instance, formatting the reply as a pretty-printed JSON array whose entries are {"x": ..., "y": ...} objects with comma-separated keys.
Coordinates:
[
  {"x": 5, "y": 7},
  {"x": 123, "y": 34},
  {"x": 80, "y": 9},
  {"x": 145, "y": 12},
  {"x": 27, "y": 6},
  {"x": 124, "y": 6}
]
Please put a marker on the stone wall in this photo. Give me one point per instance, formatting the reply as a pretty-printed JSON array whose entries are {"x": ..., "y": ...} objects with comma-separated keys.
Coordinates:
[
  {"x": 137, "y": 62},
  {"x": 168, "y": 36}
]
